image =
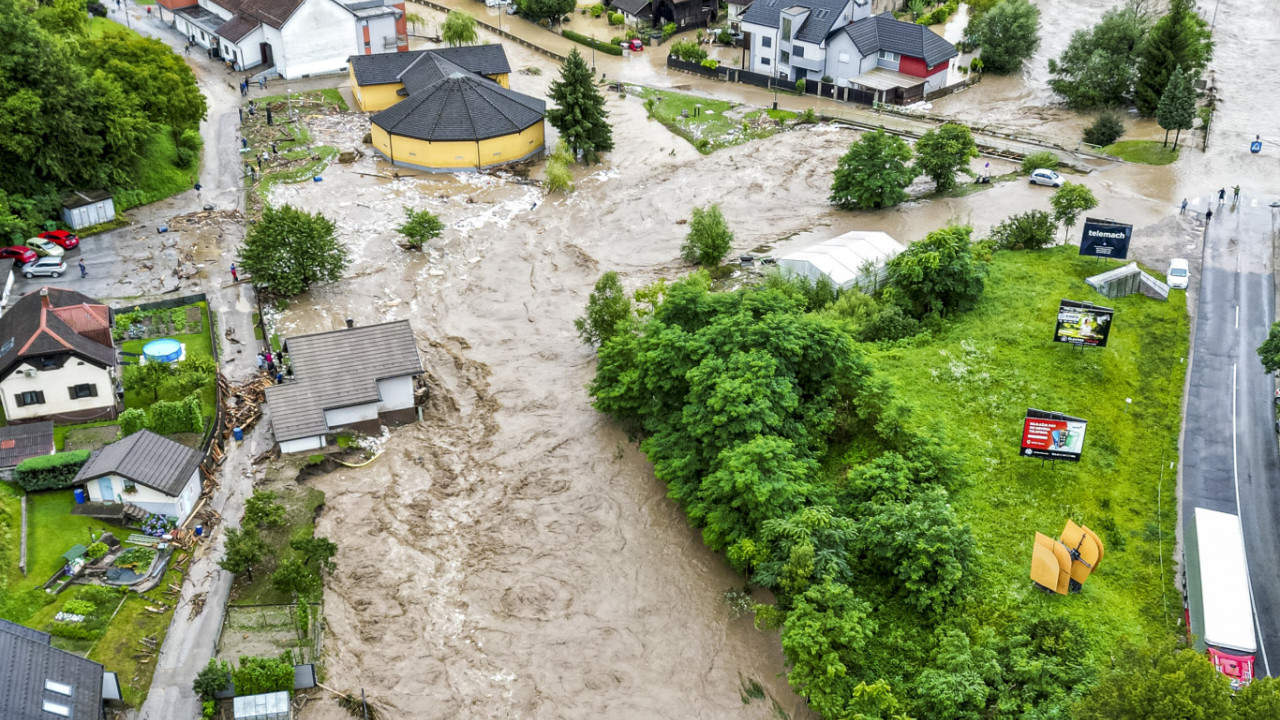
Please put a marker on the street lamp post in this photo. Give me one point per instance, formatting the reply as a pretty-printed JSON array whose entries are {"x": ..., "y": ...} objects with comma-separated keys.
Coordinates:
[{"x": 775, "y": 93}]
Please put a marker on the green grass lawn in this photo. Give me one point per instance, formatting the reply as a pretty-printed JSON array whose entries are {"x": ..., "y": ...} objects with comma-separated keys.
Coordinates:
[
  {"x": 719, "y": 125},
  {"x": 301, "y": 503},
  {"x": 980, "y": 373},
  {"x": 53, "y": 530},
  {"x": 118, "y": 647},
  {"x": 197, "y": 344},
  {"x": 1147, "y": 152},
  {"x": 60, "y": 431}
]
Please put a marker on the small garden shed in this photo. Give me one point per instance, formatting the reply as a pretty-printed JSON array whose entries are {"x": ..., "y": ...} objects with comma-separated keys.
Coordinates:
[
  {"x": 267, "y": 706},
  {"x": 82, "y": 209}
]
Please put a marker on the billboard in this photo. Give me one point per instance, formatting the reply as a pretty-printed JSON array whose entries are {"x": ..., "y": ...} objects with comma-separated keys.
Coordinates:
[
  {"x": 1105, "y": 238},
  {"x": 1052, "y": 436},
  {"x": 1082, "y": 323}
]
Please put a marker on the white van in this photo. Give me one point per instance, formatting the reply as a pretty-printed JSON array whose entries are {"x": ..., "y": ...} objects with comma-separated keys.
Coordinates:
[{"x": 1178, "y": 275}]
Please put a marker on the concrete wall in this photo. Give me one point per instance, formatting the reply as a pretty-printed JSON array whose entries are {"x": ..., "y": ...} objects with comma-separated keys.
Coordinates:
[
  {"x": 451, "y": 156},
  {"x": 54, "y": 384},
  {"x": 149, "y": 499},
  {"x": 314, "y": 442},
  {"x": 317, "y": 39}
]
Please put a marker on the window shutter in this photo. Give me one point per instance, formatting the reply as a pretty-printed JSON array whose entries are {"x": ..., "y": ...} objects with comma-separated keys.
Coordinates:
[
  {"x": 40, "y": 397},
  {"x": 93, "y": 391},
  {"x": 72, "y": 392},
  {"x": 18, "y": 398}
]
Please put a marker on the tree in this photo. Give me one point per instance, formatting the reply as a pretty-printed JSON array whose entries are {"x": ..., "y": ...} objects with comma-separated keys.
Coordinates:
[
  {"x": 1108, "y": 128},
  {"x": 288, "y": 250},
  {"x": 413, "y": 20},
  {"x": 559, "y": 177},
  {"x": 1177, "y": 108},
  {"x": 1030, "y": 230},
  {"x": 1098, "y": 67},
  {"x": 943, "y": 151},
  {"x": 608, "y": 310},
  {"x": 318, "y": 550},
  {"x": 551, "y": 10},
  {"x": 957, "y": 685},
  {"x": 261, "y": 509},
  {"x": 245, "y": 548},
  {"x": 874, "y": 173},
  {"x": 709, "y": 238},
  {"x": 579, "y": 114},
  {"x": 1009, "y": 33},
  {"x": 155, "y": 78},
  {"x": 212, "y": 679},
  {"x": 419, "y": 227},
  {"x": 1269, "y": 351},
  {"x": 1160, "y": 681},
  {"x": 147, "y": 377},
  {"x": 256, "y": 675},
  {"x": 824, "y": 637},
  {"x": 922, "y": 543},
  {"x": 1179, "y": 39},
  {"x": 1069, "y": 201},
  {"x": 64, "y": 17},
  {"x": 293, "y": 577},
  {"x": 459, "y": 29},
  {"x": 938, "y": 274},
  {"x": 1260, "y": 700}
]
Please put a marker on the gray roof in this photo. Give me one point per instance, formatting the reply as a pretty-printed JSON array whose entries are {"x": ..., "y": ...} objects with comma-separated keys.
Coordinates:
[
  {"x": 28, "y": 440},
  {"x": 147, "y": 459},
  {"x": 338, "y": 369},
  {"x": 426, "y": 71},
  {"x": 882, "y": 32},
  {"x": 27, "y": 661},
  {"x": 461, "y": 107},
  {"x": 823, "y": 15},
  {"x": 385, "y": 68},
  {"x": 633, "y": 7}
]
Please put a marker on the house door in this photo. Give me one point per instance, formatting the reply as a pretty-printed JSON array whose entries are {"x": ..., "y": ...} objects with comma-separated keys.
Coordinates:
[
  {"x": 104, "y": 489},
  {"x": 265, "y": 49}
]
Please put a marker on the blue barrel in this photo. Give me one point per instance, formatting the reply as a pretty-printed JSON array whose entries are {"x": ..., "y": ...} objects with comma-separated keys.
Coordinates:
[
  {"x": 199, "y": 530},
  {"x": 237, "y": 433},
  {"x": 80, "y": 497}
]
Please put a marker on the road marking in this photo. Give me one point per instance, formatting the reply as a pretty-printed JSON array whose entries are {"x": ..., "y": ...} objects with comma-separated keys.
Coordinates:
[
  {"x": 1235, "y": 471},
  {"x": 1237, "y": 317}
]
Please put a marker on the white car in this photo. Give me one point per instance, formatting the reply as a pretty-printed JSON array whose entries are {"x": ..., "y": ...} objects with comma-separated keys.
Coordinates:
[
  {"x": 1044, "y": 176},
  {"x": 1178, "y": 273},
  {"x": 50, "y": 265}
]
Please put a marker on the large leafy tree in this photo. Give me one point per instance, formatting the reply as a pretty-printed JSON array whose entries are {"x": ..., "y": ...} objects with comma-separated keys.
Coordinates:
[
  {"x": 459, "y": 29},
  {"x": 1269, "y": 351},
  {"x": 923, "y": 544},
  {"x": 245, "y": 548},
  {"x": 1259, "y": 701},
  {"x": 551, "y": 10},
  {"x": 1069, "y": 201},
  {"x": 288, "y": 250},
  {"x": 579, "y": 113},
  {"x": 1159, "y": 681},
  {"x": 157, "y": 80},
  {"x": 608, "y": 310},
  {"x": 874, "y": 173},
  {"x": 709, "y": 237},
  {"x": 319, "y": 550},
  {"x": 824, "y": 637},
  {"x": 941, "y": 152},
  {"x": 1180, "y": 39},
  {"x": 1177, "y": 108},
  {"x": 1008, "y": 33},
  {"x": 1098, "y": 67},
  {"x": 939, "y": 274}
]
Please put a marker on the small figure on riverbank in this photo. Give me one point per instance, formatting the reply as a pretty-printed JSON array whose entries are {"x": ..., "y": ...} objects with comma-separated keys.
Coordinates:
[
  {"x": 1184, "y": 207},
  {"x": 235, "y": 274}
]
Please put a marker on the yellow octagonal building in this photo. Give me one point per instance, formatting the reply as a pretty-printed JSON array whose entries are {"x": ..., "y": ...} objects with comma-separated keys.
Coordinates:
[{"x": 447, "y": 110}]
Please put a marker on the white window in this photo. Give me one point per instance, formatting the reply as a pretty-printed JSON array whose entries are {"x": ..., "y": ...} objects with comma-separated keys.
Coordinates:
[
  {"x": 889, "y": 56},
  {"x": 844, "y": 57},
  {"x": 60, "y": 688},
  {"x": 56, "y": 709}
]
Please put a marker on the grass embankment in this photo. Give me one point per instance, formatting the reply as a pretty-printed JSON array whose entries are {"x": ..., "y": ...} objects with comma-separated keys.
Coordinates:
[
  {"x": 300, "y": 504},
  {"x": 1147, "y": 152},
  {"x": 296, "y": 159},
  {"x": 978, "y": 375},
  {"x": 711, "y": 124}
]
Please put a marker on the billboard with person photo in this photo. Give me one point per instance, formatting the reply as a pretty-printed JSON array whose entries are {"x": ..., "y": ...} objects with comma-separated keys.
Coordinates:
[
  {"x": 1082, "y": 323},
  {"x": 1052, "y": 436}
]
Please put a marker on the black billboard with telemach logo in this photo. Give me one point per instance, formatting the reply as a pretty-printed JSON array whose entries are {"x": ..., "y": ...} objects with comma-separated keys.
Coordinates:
[
  {"x": 1105, "y": 239},
  {"x": 1082, "y": 323}
]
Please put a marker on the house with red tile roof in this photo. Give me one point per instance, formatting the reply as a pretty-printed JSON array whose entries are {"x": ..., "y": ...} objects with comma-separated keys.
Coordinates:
[{"x": 57, "y": 359}]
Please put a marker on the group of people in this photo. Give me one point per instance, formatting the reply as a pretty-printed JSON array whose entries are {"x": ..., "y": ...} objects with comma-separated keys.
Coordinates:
[
  {"x": 244, "y": 85},
  {"x": 267, "y": 361},
  {"x": 1222, "y": 198}
]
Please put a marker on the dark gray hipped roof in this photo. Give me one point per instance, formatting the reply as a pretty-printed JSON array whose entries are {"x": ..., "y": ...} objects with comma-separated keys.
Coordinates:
[
  {"x": 385, "y": 68},
  {"x": 633, "y": 7},
  {"x": 147, "y": 459},
  {"x": 427, "y": 71},
  {"x": 882, "y": 32},
  {"x": 28, "y": 440},
  {"x": 823, "y": 15},
  {"x": 339, "y": 369},
  {"x": 27, "y": 661},
  {"x": 462, "y": 107},
  {"x": 34, "y": 328}
]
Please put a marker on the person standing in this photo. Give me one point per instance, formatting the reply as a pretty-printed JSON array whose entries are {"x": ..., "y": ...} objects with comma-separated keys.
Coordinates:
[
  {"x": 1208, "y": 215},
  {"x": 1183, "y": 211},
  {"x": 1235, "y": 194},
  {"x": 83, "y": 271},
  {"x": 262, "y": 361},
  {"x": 235, "y": 274},
  {"x": 1222, "y": 195}
]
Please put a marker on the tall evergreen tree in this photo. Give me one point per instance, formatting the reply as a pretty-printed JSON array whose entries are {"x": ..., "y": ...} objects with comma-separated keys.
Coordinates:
[
  {"x": 579, "y": 114},
  {"x": 1179, "y": 39},
  {"x": 1177, "y": 108}
]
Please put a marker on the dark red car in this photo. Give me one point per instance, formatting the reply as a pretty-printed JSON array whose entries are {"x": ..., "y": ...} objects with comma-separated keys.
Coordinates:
[
  {"x": 19, "y": 254},
  {"x": 60, "y": 237}
]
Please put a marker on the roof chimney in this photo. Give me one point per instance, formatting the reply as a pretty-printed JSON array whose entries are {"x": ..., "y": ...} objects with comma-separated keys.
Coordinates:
[
  {"x": 44, "y": 296},
  {"x": 350, "y": 323}
]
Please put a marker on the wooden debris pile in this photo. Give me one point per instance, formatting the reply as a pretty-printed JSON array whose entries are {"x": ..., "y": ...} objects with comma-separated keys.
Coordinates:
[{"x": 242, "y": 404}]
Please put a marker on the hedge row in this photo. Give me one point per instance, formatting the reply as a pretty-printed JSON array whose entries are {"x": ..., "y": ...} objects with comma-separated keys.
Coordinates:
[
  {"x": 592, "y": 42},
  {"x": 165, "y": 417},
  {"x": 50, "y": 472}
]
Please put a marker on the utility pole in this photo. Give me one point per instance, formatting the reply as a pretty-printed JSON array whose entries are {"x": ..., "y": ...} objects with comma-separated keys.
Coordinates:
[{"x": 1215, "y": 15}]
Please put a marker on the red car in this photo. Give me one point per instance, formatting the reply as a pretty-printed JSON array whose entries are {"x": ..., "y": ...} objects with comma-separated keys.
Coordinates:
[
  {"x": 633, "y": 45},
  {"x": 60, "y": 237},
  {"x": 19, "y": 254}
]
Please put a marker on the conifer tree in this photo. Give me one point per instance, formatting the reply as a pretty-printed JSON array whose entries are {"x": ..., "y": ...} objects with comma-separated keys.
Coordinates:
[
  {"x": 1177, "y": 108},
  {"x": 1179, "y": 39},
  {"x": 579, "y": 114}
]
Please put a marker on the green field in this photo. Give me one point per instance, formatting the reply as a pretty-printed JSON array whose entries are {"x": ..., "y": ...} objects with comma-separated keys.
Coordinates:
[
  {"x": 711, "y": 124},
  {"x": 1146, "y": 152},
  {"x": 976, "y": 377},
  {"x": 300, "y": 502}
]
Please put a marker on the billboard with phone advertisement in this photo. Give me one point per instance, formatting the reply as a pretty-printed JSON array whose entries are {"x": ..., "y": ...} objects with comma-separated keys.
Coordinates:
[
  {"x": 1052, "y": 436},
  {"x": 1105, "y": 238},
  {"x": 1082, "y": 323}
]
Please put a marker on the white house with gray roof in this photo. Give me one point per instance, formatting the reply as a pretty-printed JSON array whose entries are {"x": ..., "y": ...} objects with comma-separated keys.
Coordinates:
[
  {"x": 840, "y": 39},
  {"x": 357, "y": 378},
  {"x": 145, "y": 469},
  {"x": 42, "y": 682}
]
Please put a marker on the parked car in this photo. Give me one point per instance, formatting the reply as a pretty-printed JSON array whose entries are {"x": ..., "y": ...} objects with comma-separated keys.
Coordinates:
[
  {"x": 633, "y": 45},
  {"x": 20, "y": 254},
  {"x": 45, "y": 248},
  {"x": 1044, "y": 176},
  {"x": 61, "y": 237},
  {"x": 1178, "y": 275},
  {"x": 51, "y": 266},
  {"x": 512, "y": 9}
]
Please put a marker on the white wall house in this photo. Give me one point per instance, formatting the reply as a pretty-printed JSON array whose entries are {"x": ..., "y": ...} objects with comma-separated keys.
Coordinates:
[
  {"x": 148, "y": 470},
  {"x": 57, "y": 359},
  {"x": 357, "y": 379},
  {"x": 787, "y": 38}
]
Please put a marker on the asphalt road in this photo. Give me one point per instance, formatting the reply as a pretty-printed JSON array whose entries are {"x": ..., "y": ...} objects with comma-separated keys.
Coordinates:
[{"x": 1230, "y": 457}]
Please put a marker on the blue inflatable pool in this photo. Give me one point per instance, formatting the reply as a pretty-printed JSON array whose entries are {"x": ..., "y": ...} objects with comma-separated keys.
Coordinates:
[{"x": 165, "y": 350}]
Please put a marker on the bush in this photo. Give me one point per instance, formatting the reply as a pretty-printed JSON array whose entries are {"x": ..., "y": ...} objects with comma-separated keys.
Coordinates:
[
  {"x": 668, "y": 30},
  {"x": 711, "y": 64},
  {"x": 262, "y": 675},
  {"x": 191, "y": 140},
  {"x": 596, "y": 10},
  {"x": 610, "y": 48},
  {"x": 800, "y": 85},
  {"x": 1025, "y": 231},
  {"x": 975, "y": 65},
  {"x": 78, "y": 607},
  {"x": 1108, "y": 128},
  {"x": 689, "y": 51},
  {"x": 1035, "y": 161},
  {"x": 724, "y": 37},
  {"x": 131, "y": 421},
  {"x": 889, "y": 323},
  {"x": 617, "y": 19},
  {"x": 96, "y": 550},
  {"x": 709, "y": 237},
  {"x": 166, "y": 417},
  {"x": 262, "y": 509},
  {"x": 212, "y": 680},
  {"x": 50, "y": 472},
  {"x": 559, "y": 177},
  {"x": 940, "y": 14},
  {"x": 419, "y": 227}
]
